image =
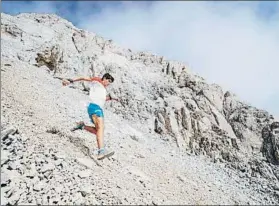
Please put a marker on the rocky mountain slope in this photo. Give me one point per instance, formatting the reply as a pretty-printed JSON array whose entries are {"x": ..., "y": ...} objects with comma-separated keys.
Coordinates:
[{"x": 178, "y": 139}]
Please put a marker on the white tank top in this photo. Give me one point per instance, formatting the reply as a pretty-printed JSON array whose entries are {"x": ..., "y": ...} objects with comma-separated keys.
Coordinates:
[{"x": 97, "y": 93}]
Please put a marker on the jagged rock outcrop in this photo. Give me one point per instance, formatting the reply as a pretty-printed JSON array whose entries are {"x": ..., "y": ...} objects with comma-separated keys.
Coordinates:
[
  {"x": 158, "y": 98},
  {"x": 270, "y": 147}
]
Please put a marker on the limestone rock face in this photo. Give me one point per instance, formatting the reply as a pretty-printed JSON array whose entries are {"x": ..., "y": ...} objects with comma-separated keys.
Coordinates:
[
  {"x": 270, "y": 147},
  {"x": 209, "y": 139}
]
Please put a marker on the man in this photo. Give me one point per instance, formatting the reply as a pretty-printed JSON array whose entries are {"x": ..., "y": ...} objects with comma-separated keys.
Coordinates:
[{"x": 98, "y": 96}]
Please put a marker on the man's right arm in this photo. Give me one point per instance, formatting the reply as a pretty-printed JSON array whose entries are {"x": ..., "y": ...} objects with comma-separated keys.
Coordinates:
[
  {"x": 68, "y": 81},
  {"x": 82, "y": 79}
]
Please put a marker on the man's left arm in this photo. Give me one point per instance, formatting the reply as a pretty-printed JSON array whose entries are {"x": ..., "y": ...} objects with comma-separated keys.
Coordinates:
[{"x": 108, "y": 98}]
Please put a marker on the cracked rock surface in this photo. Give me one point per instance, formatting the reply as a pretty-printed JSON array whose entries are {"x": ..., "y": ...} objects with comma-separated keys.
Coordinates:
[{"x": 177, "y": 139}]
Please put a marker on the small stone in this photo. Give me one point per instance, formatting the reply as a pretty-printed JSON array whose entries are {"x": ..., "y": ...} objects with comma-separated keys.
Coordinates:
[
  {"x": 14, "y": 198},
  {"x": 4, "y": 200},
  {"x": 85, "y": 190},
  {"x": 59, "y": 162},
  {"x": 32, "y": 171},
  {"x": 13, "y": 175},
  {"x": 14, "y": 165},
  {"x": 86, "y": 162},
  {"x": 38, "y": 186},
  {"x": 4, "y": 157},
  {"x": 60, "y": 156},
  {"x": 47, "y": 167},
  {"x": 58, "y": 189},
  {"x": 77, "y": 199},
  {"x": 47, "y": 174},
  {"x": 39, "y": 160},
  {"x": 5, "y": 180},
  {"x": 39, "y": 201},
  {"x": 45, "y": 200},
  {"x": 24, "y": 138},
  {"x": 7, "y": 132},
  {"x": 84, "y": 173}
]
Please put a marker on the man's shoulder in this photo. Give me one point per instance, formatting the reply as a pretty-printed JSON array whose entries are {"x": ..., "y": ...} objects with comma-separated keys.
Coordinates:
[{"x": 98, "y": 79}]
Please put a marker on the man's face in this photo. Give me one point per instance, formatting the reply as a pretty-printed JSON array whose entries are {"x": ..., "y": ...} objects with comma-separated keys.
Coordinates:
[{"x": 106, "y": 82}]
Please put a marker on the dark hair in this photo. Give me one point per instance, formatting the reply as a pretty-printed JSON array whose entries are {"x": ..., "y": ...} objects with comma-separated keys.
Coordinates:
[{"x": 108, "y": 76}]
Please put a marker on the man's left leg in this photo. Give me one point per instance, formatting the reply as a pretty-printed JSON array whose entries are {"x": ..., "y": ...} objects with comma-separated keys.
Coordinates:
[
  {"x": 99, "y": 122},
  {"x": 90, "y": 129},
  {"x": 102, "y": 151}
]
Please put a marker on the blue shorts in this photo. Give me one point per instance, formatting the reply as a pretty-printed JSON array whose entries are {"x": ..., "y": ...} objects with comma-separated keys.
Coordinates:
[{"x": 94, "y": 109}]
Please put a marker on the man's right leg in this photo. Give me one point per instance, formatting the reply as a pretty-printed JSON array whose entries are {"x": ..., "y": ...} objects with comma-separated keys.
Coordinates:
[{"x": 81, "y": 125}]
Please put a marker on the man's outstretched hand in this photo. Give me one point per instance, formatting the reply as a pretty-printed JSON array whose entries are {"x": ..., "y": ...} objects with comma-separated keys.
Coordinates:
[
  {"x": 109, "y": 98},
  {"x": 115, "y": 99},
  {"x": 66, "y": 82}
]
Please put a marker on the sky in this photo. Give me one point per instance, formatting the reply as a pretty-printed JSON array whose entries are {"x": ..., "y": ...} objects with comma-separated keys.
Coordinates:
[{"x": 231, "y": 43}]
